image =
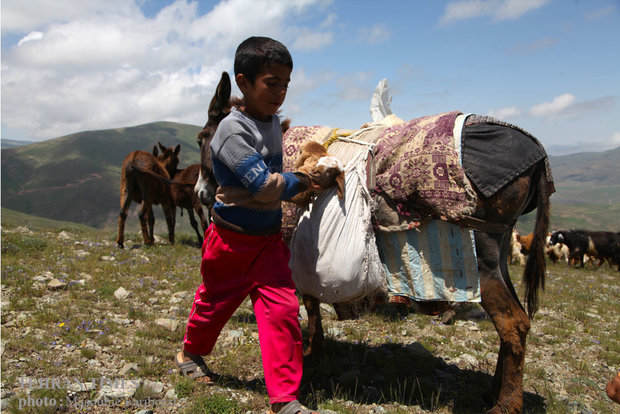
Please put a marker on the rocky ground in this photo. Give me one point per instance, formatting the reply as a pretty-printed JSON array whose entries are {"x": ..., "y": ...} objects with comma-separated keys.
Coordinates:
[{"x": 92, "y": 328}]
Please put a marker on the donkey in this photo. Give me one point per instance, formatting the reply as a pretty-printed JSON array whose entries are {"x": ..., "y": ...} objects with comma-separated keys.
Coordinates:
[
  {"x": 493, "y": 221},
  {"x": 145, "y": 179},
  {"x": 184, "y": 197}
]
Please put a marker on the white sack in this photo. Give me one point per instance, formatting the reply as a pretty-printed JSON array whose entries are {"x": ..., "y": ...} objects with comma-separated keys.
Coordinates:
[
  {"x": 380, "y": 101},
  {"x": 334, "y": 256}
]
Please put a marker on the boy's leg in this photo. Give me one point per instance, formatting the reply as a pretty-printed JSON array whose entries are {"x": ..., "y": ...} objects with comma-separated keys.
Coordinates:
[
  {"x": 225, "y": 260},
  {"x": 277, "y": 308},
  {"x": 208, "y": 317}
]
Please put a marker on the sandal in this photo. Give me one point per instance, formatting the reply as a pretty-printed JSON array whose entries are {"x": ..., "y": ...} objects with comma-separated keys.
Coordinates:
[
  {"x": 294, "y": 407},
  {"x": 194, "y": 369}
]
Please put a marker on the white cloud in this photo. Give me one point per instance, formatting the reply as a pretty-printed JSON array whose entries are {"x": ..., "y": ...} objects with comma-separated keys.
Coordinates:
[
  {"x": 498, "y": 10},
  {"x": 91, "y": 64},
  {"x": 553, "y": 108},
  {"x": 312, "y": 40},
  {"x": 505, "y": 113},
  {"x": 375, "y": 34},
  {"x": 535, "y": 46},
  {"x": 356, "y": 87},
  {"x": 32, "y": 36},
  {"x": 567, "y": 105},
  {"x": 601, "y": 13},
  {"x": 20, "y": 16}
]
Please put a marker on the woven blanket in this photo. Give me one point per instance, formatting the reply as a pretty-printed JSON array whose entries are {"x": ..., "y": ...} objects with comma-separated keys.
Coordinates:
[
  {"x": 419, "y": 170},
  {"x": 292, "y": 142},
  {"x": 436, "y": 261}
]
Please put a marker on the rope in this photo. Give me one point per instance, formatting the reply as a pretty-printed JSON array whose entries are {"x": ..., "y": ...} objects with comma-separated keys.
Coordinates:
[
  {"x": 335, "y": 136},
  {"x": 354, "y": 141}
]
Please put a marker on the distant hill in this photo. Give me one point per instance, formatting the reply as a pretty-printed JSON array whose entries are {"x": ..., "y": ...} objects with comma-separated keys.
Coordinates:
[
  {"x": 12, "y": 143},
  {"x": 587, "y": 192},
  {"x": 76, "y": 178}
]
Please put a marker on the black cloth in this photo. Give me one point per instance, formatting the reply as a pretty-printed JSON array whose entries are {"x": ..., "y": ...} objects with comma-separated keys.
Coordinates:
[{"x": 495, "y": 152}]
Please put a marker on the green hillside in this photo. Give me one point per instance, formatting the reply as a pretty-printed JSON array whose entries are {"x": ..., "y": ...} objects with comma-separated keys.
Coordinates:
[
  {"x": 76, "y": 177},
  {"x": 587, "y": 192}
]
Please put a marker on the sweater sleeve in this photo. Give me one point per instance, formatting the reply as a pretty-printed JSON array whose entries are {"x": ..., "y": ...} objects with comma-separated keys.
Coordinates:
[{"x": 249, "y": 167}]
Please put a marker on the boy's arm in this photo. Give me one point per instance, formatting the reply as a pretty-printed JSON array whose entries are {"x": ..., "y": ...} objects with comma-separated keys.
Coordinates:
[{"x": 250, "y": 168}]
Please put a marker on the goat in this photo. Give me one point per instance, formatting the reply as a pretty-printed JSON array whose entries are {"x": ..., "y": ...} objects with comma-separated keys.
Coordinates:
[
  {"x": 526, "y": 242},
  {"x": 557, "y": 252},
  {"x": 515, "y": 255},
  {"x": 323, "y": 169},
  {"x": 145, "y": 179}
]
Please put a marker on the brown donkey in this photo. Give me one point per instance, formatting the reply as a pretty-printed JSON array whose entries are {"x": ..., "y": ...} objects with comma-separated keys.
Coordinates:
[
  {"x": 184, "y": 197},
  {"x": 493, "y": 221},
  {"x": 145, "y": 179}
]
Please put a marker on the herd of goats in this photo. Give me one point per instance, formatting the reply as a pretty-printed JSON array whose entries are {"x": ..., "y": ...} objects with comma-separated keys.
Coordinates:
[{"x": 577, "y": 248}]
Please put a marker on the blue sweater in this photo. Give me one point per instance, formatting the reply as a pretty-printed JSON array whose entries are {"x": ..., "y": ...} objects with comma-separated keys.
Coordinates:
[{"x": 247, "y": 164}]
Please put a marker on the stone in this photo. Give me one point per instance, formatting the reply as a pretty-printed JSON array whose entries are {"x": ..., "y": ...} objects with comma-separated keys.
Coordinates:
[
  {"x": 155, "y": 386},
  {"x": 56, "y": 284},
  {"x": 121, "y": 293},
  {"x": 171, "y": 395},
  {"x": 121, "y": 388},
  {"x": 63, "y": 235},
  {"x": 127, "y": 368},
  {"x": 167, "y": 323}
]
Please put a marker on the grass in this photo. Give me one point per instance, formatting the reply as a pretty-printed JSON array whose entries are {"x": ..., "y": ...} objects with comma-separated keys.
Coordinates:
[{"x": 401, "y": 360}]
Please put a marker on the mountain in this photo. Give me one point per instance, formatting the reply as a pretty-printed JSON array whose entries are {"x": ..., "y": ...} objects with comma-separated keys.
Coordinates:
[
  {"x": 587, "y": 192},
  {"x": 76, "y": 178},
  {"x": 12, "y": 143}
]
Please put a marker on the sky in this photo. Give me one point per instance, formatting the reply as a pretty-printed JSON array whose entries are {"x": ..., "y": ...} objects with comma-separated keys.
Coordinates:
[{"x": 551, "y": 67}]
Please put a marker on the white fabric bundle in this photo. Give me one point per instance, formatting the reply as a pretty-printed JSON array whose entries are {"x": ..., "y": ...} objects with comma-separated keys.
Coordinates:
[{"x": 334, "y": 256}]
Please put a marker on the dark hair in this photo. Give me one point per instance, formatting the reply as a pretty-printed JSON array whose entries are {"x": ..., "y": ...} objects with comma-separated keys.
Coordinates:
[{"x": 255, "y": 52}]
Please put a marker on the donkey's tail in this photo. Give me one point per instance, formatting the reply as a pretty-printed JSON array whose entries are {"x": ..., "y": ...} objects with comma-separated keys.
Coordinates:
[{"x": 536, "y": 267}]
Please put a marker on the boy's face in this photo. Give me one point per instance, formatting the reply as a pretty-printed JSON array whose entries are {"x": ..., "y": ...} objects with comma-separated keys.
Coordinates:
[{"x": 264, "y": 97}]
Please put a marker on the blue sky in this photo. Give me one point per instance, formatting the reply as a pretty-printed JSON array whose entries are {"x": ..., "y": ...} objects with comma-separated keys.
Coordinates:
[{"x": 549, "y": 66}]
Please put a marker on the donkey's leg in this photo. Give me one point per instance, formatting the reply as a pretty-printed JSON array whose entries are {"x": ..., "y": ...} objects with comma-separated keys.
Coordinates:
[
  {"x": 170, "y": 212},
  {"x": 316, "y": 339},
  {"x": 151, "y": 224},
  {"x": 122, "y": 217},
  {"x": 510, "y": 320},
  {"x": 143, "y": 214},
  {"x": 194, "y": 224},
  {"x": 204, "y": 219}
]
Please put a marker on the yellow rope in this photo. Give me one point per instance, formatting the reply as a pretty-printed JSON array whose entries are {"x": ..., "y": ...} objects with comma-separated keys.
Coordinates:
[{"x": 335, "y": 135}]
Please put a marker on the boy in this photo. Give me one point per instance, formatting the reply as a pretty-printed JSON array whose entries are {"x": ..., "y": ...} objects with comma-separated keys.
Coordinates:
[{"x": 243, "y": 252}]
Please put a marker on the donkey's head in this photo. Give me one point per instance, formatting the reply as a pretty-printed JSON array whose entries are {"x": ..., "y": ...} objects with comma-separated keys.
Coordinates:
[
  {"x": 169, "y": 157},
  {"x": 219, "y": 108}
]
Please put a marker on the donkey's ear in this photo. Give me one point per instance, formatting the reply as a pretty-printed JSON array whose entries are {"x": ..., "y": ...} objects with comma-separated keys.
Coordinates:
[
  {"x": 340, "y": 185},
  {"x": 155, "y": 152},
  {"x": 221, "y": 98},
  {"x": 177, "y": 149}
]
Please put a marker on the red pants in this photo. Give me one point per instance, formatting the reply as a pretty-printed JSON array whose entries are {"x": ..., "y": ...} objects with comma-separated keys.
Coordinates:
[{"x": 234, "y": 266}]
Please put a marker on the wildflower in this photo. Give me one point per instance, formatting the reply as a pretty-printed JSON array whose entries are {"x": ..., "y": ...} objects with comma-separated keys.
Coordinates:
[{"x": 60, "y": 325}]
